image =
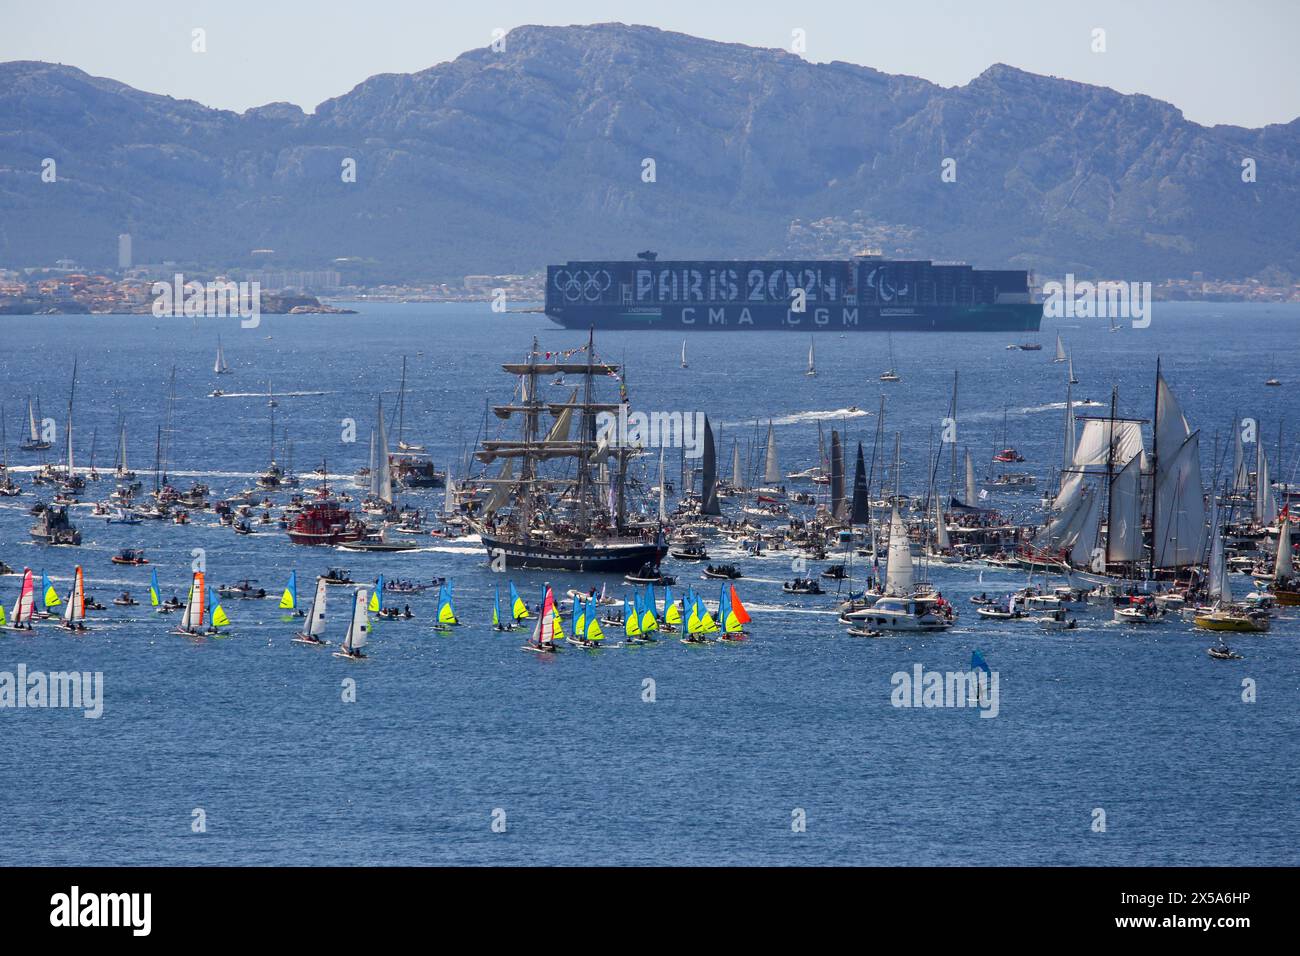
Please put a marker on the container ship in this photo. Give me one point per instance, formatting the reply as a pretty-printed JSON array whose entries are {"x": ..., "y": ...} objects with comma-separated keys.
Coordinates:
[{"x": 867, "y": 293}]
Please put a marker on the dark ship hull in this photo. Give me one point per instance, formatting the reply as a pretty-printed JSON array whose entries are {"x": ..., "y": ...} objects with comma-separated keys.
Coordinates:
[{"x": 617, "y": 557}]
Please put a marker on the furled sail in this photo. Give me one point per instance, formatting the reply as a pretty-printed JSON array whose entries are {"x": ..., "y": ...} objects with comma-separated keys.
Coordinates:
[{"x": 837, "y": 475}]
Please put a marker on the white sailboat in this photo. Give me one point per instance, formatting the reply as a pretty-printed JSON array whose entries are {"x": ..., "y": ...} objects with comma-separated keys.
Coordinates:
[
  {"x": 812, "y": 359},
  {"x": 33, "y": 441},
  {"x": 358, "y": 628},
  {"x": 313, "y": 625},
  {"x": 684, "y": 365},
  {"x": 192, "y": 620},
  {"x": 891, "y": 374},
  {"x": 901, "y": 608},
  {"x": 402, "y": 444},
  {"x": 1060, "y": 356},
  {"x": 1072, "y": 380},
  {"x": 219, "y": 367},
  {"x": 74, "y": 610}
]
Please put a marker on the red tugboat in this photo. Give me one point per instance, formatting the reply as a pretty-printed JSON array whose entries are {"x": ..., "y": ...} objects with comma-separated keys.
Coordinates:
[{"x": 325, "y": 521}]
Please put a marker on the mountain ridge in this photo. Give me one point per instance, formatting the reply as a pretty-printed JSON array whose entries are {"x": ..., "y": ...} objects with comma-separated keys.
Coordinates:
[{"x": 502, "y": 162}]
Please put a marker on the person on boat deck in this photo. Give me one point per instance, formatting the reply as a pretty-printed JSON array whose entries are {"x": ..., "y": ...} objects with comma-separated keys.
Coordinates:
[{"x": 406, "y": 611}]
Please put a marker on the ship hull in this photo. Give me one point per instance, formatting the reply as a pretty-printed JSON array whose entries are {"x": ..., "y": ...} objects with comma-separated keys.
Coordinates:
[
  {"x": 1008, "y": 317},
  {"x": 616, "y": 558}
]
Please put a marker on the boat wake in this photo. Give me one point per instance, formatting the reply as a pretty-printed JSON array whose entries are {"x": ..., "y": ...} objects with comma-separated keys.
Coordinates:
[
  {"x": 265, "y": 395},
  {"x": 992, "y": 414},
  {"x": 799, "y": 418}
]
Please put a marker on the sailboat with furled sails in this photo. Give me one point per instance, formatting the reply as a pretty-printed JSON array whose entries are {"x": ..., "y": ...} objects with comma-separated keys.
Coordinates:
[{"x": 559, "y": 498}]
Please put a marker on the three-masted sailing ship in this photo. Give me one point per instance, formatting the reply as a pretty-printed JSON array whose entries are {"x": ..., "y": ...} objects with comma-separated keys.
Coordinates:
[{"x": 559, "y": 498}]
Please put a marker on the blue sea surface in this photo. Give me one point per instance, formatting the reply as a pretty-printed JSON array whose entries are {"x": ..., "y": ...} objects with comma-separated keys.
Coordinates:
[{"x": 449, "y": 732}]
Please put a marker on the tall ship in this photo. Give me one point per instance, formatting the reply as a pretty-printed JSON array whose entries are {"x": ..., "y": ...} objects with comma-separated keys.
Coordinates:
[
  {"x": 866, "y": 293},
  {"x": 558, "y": 495}
]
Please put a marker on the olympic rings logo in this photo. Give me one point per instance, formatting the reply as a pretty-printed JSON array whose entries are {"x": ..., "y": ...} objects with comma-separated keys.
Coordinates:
[{"x": 582, "y": 284}]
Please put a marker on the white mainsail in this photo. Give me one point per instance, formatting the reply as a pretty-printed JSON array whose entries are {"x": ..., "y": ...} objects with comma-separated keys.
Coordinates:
[
  {"x": 192, "y": 618},
  {"x": 75, "y": 608},
  {"x": 1097, "y": 443},
  {"x": 31, "y": 418},
  {"x": 1265, "y": 503},
  {"x": 501, "y": 488},
  {"x": 772, "y": 468},
  {"x": 1240, "y": 473},
  {"x": 359, "y": 623},
  {"x": 1060, "y": 349},
  {"x": 941, "y": 540},
  {"x": 1283, "y": 570},
  {"x": 382, "y": 480},
  {"x": 1085, "y": 545},
  {"x": 899, "y": 574},
  {"x": 812, "y": 364},
  {"x": 1218, "y": 587},
  {"x": 737, "y": 479},
  {"x": 448, "y": 493},
  {"x": 220, "y": 366},
  {"x": 684, "y": 353},
  {"x": 1124, "y": 525},
  {"x": 314, "y": 626},
  {"x": 122, "y": 467},
  {"x": 1178, "y": 524}
]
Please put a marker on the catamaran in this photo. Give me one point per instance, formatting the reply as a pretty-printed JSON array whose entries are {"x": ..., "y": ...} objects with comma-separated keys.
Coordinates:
[
  {"x": 543, "y": 639},
  {"x": 74, "y": 612},
  {"x": 20, "y": 619},
  {"x": 358, "y": 629},
  {"x": 313, "y": 625},
  {"x": 196, "y": 608}
]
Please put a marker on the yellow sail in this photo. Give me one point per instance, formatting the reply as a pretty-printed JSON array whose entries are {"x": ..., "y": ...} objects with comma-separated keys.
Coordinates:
[
  {"x": 631, "y": 626},
  {"x": 594, "y": 633},
  {"x": 673, "y": 615},
  {"x": 580, "y": 621},
  {"x": 648, "y": 622},
  {"x": 219, "y": 618}
]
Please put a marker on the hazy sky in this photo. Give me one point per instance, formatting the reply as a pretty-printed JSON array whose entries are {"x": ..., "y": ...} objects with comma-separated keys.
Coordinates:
[{"x": 1218, "y": 61}]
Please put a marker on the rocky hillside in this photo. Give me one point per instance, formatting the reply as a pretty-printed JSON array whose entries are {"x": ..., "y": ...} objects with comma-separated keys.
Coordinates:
[{"x": 501, "y": 162}]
